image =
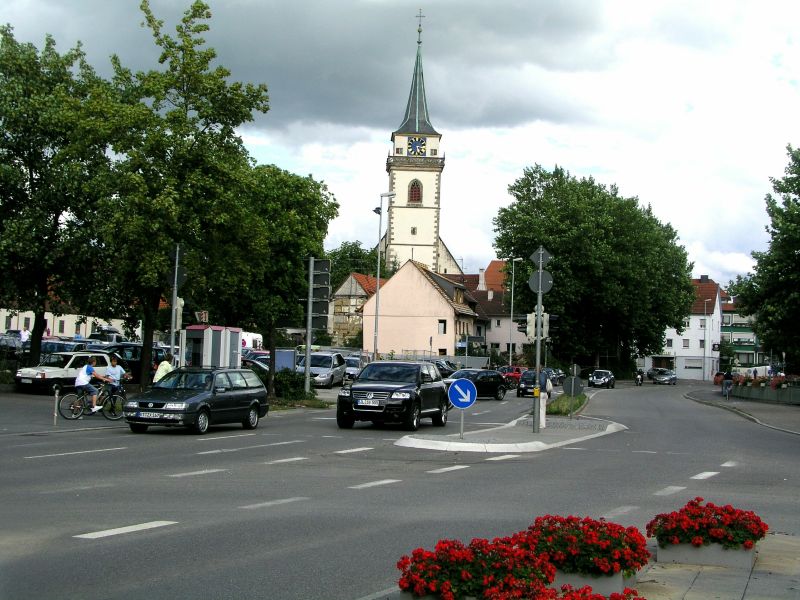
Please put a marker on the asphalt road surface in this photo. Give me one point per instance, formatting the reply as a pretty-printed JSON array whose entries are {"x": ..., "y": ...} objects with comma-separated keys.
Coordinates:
[{"x": 299, "y": 509}]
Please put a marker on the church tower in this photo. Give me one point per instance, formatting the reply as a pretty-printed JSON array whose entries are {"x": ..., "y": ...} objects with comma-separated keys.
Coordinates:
[{"x": 415, "y": 167}]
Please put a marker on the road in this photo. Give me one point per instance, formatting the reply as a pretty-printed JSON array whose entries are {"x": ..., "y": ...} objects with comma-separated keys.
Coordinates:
[{"x": 299, "y": 509}]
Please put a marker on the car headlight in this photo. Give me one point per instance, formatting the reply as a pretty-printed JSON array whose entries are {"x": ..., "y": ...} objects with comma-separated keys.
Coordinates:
[
  {"x": 344, "y": 393},
  {"x": 175, "y": 405},
  {"x": 401, "y": 395}
]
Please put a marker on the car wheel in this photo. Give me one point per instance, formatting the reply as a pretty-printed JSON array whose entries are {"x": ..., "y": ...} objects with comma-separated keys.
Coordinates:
[
  {"x": 202, "y": 423},
  {"x": 440, "y": 419},
  {"x": 251, "y": 422},
  {"x": 138, "y": 427},
  {"x": 412, "y": 420},
  {"x": 613, "y": 383},
  {"x": 500, "y": 393},
  {"x": 518, "y": 394},
  {"x": 344, "y": 421}
]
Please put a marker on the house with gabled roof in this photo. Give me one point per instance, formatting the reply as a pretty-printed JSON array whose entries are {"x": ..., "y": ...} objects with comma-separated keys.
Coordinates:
[
  {"x": 344, "y": 308},
  {"x": 420, "y": 312}
]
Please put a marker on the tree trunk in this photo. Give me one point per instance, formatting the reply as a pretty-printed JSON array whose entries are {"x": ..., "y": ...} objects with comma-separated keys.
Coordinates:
[
  {"x": 271, "y": 344},
  {"x": 39, "y": 324},
  {"x": 149, "y": 317}
]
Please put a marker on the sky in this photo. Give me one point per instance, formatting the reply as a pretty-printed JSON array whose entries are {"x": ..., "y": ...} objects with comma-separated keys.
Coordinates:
[{"x": 687, "y": 106}]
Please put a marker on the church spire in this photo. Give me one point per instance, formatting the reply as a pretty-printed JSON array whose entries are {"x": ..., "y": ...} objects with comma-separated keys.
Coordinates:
[{"x": 416, "y": 119}]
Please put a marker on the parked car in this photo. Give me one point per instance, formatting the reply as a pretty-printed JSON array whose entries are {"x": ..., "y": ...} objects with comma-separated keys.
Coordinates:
[
  {"x": 488, "y": 383},
  {"x": 651, "y": 372},
  {"x": 327, "y": 368},
  {"x": 60, "y": 368},
  {"x": 394, "y": 392},
  {"x": 512, "y": 374},
  {"x": 352, "y": 367},
  {"x": 665, "y": 377},
  {"x": 257, "y": 367},
  {"x": 601, "y": 378},
  {"x": 560, "y": 376},
  {"x": 131, "y": 353},
  {"x": 446, "y": 367},
  {"x": 526, "y": 384},
  {"x": 197, "y": 397}
]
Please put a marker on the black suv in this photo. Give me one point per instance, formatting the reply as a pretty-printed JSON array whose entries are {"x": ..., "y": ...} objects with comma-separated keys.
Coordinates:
[{"x": 394, "y": 392}]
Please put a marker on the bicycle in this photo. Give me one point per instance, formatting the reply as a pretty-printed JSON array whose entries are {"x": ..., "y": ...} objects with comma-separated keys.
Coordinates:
[{"x": 74, "y": 406}]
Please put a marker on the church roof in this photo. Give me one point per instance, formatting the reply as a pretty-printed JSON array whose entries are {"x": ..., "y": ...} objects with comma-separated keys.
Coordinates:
[{"x": 416, "y": 119}]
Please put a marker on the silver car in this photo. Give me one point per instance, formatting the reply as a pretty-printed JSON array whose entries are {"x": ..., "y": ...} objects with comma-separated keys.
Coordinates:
[
  {"x": 327, "y": 368},
  {"x": 665, "y": 377}
]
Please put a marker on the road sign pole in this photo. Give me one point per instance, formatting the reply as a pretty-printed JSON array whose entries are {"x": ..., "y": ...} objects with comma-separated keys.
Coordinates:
[
  {"x": 461, "y": 433},
  {"x": 537, "y": 398},
  {"x": 309, "y": 310}
]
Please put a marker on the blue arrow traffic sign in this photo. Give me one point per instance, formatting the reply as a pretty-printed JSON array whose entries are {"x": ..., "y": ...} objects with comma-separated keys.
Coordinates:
[{"x": 462, "y": 393}]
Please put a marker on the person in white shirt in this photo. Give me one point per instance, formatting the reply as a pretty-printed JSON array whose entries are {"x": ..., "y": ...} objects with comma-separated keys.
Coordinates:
[
  {"x": 115, "y": 373},
  {"x": 83, "y": 382},
  {"x": 164, "y": 367},
  {"x": 24, "y": 335}
]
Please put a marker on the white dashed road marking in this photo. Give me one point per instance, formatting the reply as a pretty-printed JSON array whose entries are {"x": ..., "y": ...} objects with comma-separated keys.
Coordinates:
[
  {"x": 224, "y": 437},
  {"x": 620, "y": 510},
  {"x": 74, "y": 453},
  {"x": 286, "y": 460},
  {"x": 705, "y": 475},
  {"x": 352, "y": 450},
  {"x": 203, "y": 472},
  {"x": 730, "y": 463},
  {"x": 275, "y": 502},
  {"x": 129, "y": 529},
  {"x": 374, "y": 484},
  {"x": 224, "y": 450},
  {"x": 669, "y": 490},
  {"x": 447, "y": 469},
  {"x": 503, "y": 457},
  {"x": 644, "y": 452}
]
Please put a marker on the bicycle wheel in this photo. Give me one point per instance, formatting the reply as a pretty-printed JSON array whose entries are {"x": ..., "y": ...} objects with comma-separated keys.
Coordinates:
[
  {"x": 70, "y": 406},
  {"x": 112, "y": 407}
]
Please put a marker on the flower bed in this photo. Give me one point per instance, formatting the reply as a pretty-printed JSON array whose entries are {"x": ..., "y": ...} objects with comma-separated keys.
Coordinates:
[{"x": 701, "y": 524}]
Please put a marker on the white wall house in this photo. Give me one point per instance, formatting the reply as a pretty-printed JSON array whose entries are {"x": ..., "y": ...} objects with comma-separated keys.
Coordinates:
[
  {"x": 61, "y": 325},
  {"x": 691, "y": 353}
]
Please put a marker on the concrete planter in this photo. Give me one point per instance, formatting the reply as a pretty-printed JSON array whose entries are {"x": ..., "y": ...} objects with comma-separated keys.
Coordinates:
[
  {"x": 601, "y": 584},
  {"x": 712, "y": 555}
]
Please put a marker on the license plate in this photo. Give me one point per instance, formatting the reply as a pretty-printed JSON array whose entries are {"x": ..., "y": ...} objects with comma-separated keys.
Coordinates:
[
  {"x": 148, "y": 415},
  {"x": 26, "y": 380},
  {"x": 369, "y": 402}
]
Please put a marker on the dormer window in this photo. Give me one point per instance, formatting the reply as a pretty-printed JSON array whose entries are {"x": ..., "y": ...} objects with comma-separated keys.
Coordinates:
[{"x": 415, "y": 192}]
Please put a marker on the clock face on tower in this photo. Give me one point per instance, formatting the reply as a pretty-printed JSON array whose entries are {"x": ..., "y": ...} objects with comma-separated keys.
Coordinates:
[{"x": 416, "y": 146}]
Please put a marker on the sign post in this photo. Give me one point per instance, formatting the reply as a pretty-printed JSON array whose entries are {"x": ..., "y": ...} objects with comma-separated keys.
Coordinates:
[
  {"x": 540, "y": 282},
  {"x": 462, "y": 394}
]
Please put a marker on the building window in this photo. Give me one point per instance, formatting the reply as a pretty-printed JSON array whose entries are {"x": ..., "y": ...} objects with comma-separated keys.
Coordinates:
[
  {"x": 398, "y": 150},
  {"x": 413, "y": 231},
  {"x": 686, "y": 323},
  {"x": 498, "y": 322},
  {"x": 434, "y": 152},
  {"x": 61, "y": 326},
  {"x": 8, "y": 322},
  {"x": 702, "y": 323},
  {"x": 693, "y": 363},
  {"x": 702, "y": 344},
  {"x": 685, "y": 343},
  {"x": 27, "y": 322},
  {"x": 77, "y": 328},
  {"x": 415, "y": 192},
  {"x": 669, "y": 342},
  {"x": 726, "y": 319},
  {"x": 495, "y": 346},
  {"x": 442, "y": 326}
]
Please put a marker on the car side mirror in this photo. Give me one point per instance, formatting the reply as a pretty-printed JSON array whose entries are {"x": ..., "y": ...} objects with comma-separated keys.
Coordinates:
[{"x": 426, "y": 378}]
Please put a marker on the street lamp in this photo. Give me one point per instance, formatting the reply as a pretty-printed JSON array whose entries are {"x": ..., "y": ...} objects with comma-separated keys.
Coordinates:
[
  {"x": 511, "y": 325},
  {"x": 378, "y": 210},
  {"x": 705, "y": 334}
]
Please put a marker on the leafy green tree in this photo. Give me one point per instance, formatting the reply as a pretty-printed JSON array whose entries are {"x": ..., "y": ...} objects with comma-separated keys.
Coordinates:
[
  {"x": 182, "y": 168},
  {"x": 620, "y": 278},
  {"x": 351, "y": 257},
  {"x": 52, "y": 162},
  {"x": 771, "y": 293}
]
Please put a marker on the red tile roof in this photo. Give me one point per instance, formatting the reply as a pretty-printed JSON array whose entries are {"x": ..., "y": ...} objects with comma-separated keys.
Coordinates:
[
  {"x": 495, "y": 275},
  {"x": 367, "y": 282},
  {"x": 704, "y": 288}
]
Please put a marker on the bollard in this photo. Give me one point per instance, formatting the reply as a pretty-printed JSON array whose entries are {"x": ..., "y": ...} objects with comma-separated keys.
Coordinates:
[{"x": 56, "y": 390}]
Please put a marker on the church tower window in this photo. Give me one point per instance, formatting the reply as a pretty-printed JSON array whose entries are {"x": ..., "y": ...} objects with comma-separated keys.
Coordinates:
[{"x": 415, "y": 192}]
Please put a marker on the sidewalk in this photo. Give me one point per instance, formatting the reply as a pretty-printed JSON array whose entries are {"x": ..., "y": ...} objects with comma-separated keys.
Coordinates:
[{"x": 783, "y": 417}]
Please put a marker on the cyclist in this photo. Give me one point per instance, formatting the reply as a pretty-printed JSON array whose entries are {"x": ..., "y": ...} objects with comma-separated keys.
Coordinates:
[
  {"x": 116, "y": 374},
  {"x": 83, "y": 382}
]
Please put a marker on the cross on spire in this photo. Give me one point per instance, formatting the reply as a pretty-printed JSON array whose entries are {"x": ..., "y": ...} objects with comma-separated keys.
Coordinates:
[{"x": 420, "y": 16}]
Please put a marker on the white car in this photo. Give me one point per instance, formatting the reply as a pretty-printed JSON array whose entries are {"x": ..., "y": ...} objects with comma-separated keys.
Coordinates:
[{"x": 59, "y": 368}]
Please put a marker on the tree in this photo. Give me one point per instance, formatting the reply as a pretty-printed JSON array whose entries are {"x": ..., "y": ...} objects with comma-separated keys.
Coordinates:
[
  {"x": 182, "y": 169},
  {"x": 52, "y": 162},
  {"x": 620, "y": 278},
  {"x": 770, "y": 293},
  {"x": 350, "y": 257}
]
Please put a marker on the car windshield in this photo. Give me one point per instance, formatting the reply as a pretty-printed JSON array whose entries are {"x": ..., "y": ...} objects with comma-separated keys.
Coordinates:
[
  {"x": 185, "y": 380},
  {"x": 54, "y": 360},
  {"x": 528, "y": 376},
  {"x": 600, "y": 374},
  {"x": 391, "y": 372},
  {"x": 464, "y": 374},
  {"x": 317, "y": 360},
  {"x": 352, "y": 362}
]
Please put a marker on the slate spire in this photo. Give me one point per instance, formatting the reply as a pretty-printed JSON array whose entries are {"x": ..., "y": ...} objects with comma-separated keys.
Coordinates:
[{"x": 416, "y": 119}]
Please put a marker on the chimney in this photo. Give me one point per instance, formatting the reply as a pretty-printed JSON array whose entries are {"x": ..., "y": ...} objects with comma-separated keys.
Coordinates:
[
  {"x": 481, "y": 279},
  {"x": 703, "y": 278},
  {"x": 490, "y": 295}
]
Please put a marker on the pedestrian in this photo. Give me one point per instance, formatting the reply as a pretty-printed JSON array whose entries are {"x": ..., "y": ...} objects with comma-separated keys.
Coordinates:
[
  {"x": 83, "y": 382},
  {"x": 164, "y": 367},
  {"x": 116, "y": 374},
  {"x": 48, "y": 332},
  {"x": 755, "y": 373},
  {"x": 545, "y": 386},
  {"x": 24, "y": 335}
]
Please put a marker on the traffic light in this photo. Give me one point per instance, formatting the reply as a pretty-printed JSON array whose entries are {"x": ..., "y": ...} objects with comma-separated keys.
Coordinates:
[{"x": 530, "y": 330}]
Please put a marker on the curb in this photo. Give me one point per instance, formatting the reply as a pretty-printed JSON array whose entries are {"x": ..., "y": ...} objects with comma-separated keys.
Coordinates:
[{"x": 741, "y": 413}]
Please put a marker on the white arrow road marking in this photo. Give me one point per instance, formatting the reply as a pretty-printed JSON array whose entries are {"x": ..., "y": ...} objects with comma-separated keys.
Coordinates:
[
  {"x": 446, "y": 469},
  {"x": 374, "y": 483},
  {"x": 705, "y": 475},
  {"x": 129, "y": 529},
  {"x": 669, "y": 490}
]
